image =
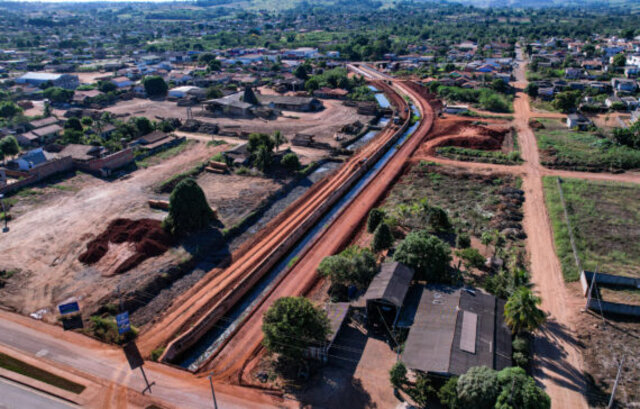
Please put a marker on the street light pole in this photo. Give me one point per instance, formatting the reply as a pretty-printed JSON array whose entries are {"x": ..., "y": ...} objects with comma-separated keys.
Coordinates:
[{"x": 213, "y": 394}]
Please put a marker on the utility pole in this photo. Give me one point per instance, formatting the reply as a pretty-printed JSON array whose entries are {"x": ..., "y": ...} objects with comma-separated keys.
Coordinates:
[
  {"x": 213, "y": 393},
  {"x": 615, "y": 385},
  {"x": 589, "y": 295},
  {"x": 5, "y": 229}
]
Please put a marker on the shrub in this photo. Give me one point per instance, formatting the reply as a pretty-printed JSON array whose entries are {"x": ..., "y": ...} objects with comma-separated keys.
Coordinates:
[
  {"x": 398, "y": 375},
  {"x": 375, "y": 217},
  {"x": 382, "y": 238},
  {"x": 290, "y": 162},
  {"x": 463, "y": 240}
]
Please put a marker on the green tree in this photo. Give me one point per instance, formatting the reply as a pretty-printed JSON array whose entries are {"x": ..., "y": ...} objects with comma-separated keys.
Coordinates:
[
  {"x": 471, "y": 258},
  {"x": 9, "y": 109},
  {"x": 448, "y": 393},
  {"x": 9, "y": 146},
  {"x": 438, "y": 219},
  {"x": 57, "y": 94},
  {"x": 256, "y": 140},
  {"x": 422, "y": 390},
  {"x": 293, "y": 324},
  {"x": 532, "y": 90},
  {"x": 521, "y": 311},
  {"x": 375, "y": 218},
  {"x": 214, "y": 65},
  {"x": 619, "y": 60},
  {"x": 73, "y": 124},
  {"x": 478, "y": 388},
  {"x": 142, "y": 124},
  {"x": 107, "y": 86},
  {"x": 86, "y": 121},
  {"x": 427, "y": 255},
  {"x": 155, "y": 86},
  {"x": 188, "y": 209},
  {"x": 566, "y": 101},
  {"x": 214, "y": 93},
  {"x": 263, "y": 159},
  {"x": 278, "y": 139},
  {"x": 463, "y": 240},
  {"x": 382, "y": 238},
  {"x": 71, "y": 136},
  {"x": 354, "y": 265},
  {"x": 398, "y": 375},
  {"x": 519, "y": 391},
  {"x": 290, "y": 162}
]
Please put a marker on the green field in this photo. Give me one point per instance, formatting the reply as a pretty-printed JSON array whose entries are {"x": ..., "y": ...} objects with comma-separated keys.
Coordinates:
[
  {"x": 23, "y": 368},
  {"x": 605, "y": 218},
  {"x": 564, "y": 148}
]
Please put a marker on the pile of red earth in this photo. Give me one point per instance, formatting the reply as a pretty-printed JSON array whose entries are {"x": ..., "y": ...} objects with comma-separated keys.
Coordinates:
[{"x": 148, "y": 235}]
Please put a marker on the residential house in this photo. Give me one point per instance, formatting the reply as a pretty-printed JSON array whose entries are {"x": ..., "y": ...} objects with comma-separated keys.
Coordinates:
[
  {"x": 121, "y": 82},
  {"x": 186, "y": 91},
  {"x": 578, "y": 121},
  {"x": 331, "y": 93}
]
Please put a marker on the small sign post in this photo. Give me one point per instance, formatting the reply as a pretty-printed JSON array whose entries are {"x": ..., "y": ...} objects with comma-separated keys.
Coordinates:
[
  {"x": 135, "y": 361},
  {"x": 71, "y": 318},
  {"x": 124, "y": 325}
]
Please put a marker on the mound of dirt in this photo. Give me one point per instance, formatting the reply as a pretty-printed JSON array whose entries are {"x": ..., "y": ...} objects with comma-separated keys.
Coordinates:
[
  {"x": 149, "y": 238},
  {"x": 535, "y": 124}
]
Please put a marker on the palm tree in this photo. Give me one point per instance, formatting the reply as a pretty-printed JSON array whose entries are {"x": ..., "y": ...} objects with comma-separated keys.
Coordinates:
[
  {"x": 521, "y": 311},
  {"x": 278, "y": 139}
]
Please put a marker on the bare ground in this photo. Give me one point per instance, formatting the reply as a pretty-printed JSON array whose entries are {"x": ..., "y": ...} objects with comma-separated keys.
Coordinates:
[
  {"x": 53, "y": 224},
  {"x": 322, "y": 124}
]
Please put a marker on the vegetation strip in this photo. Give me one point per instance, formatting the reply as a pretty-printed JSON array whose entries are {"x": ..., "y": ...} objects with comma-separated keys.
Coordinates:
[{"x": 23, "y": 368}]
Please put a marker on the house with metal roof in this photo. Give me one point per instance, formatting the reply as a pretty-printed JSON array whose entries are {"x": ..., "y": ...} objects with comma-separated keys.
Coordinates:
[
  {"x": 385, "y": 295},
  {"x": 455, "y": 329},
  {"x": 36, "y": 79}
]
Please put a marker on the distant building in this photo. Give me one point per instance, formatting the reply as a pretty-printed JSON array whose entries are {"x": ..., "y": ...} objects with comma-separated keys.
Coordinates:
[{"x": 36, "y": 79}]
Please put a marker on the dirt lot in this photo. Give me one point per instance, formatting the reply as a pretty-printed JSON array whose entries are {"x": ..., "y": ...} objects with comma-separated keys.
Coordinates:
[
  {"x": 323, "y": 124},
  {"x": 52, "y": 225}
]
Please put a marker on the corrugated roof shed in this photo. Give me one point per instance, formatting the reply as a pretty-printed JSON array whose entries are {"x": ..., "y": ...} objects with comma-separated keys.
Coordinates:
[
  {"x": 456, "y": 329},
  {"x": 391, "y": 284},
  {"x": 428, "y": 346}
]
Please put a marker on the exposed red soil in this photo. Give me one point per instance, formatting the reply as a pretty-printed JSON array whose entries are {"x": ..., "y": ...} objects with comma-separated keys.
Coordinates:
[
  {"x": 149, "y": 238},
  {"x": 454, "y": 131}
]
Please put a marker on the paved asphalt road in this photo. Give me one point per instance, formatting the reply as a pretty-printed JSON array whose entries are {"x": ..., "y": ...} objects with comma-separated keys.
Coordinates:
[{"x": 16, "y": 396}]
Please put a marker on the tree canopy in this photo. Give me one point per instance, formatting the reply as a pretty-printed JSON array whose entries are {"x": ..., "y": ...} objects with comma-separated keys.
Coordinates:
[
  {"x": 155, "y": 86},
  {"x": 354, "y": 265},
  {"x": 521, "y": 311},
  {"x": 427, "y": 255},
  {"x": 293, "y": 324},
  {"x": 188, "y": 209}
]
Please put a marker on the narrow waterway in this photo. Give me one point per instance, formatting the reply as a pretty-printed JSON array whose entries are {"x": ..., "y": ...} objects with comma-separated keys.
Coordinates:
[{"x": 211, "y": 341}]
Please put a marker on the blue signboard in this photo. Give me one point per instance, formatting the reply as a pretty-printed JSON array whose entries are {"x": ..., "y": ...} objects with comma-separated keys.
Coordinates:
[
  {"x": 68, "y": 308},
  {"x": 123, "y": 323}
]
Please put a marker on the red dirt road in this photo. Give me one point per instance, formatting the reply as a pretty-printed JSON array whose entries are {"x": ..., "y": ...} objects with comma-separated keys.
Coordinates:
[{"x": 231, "y": 359}]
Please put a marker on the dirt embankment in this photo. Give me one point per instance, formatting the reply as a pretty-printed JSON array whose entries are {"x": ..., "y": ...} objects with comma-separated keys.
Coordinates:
[
  {"x": 464, "y": 133},
  {"x": 146, "y": 237}
]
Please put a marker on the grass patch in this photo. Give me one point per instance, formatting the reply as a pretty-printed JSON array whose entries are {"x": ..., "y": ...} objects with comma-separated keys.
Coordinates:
[
  {"x": 216, "y": 142},
  {"x": 167, "y": 185},
  {"x": 156, "y": 354},
  {"x": 542, "y": 105},
  {"x": 605, "y": 218},
  {"x": 580, "y": 150},
  {"x": 28, "y": 193},
  {"x": 164, "y": 155},
  {"x": 478, "y": 155},
  {"x": 23, "y": 368},
  {"x": 473, "y": 114}
]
